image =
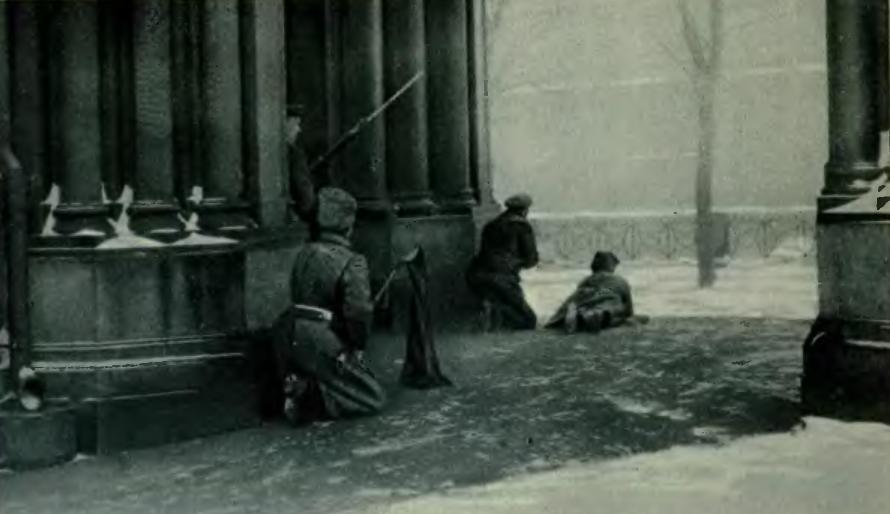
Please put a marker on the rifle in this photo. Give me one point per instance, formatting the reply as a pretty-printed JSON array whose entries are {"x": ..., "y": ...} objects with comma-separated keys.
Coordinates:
[{"x": 361, "y": 124}]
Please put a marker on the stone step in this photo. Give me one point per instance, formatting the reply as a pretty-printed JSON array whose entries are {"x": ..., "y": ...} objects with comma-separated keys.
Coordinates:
[{"x": 110, "y": 425}]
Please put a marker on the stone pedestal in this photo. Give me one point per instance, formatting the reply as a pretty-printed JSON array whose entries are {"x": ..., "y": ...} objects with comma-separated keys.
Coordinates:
[
  {"x": 847, "y": 364},
  {"x": 37, "y": 439},
  {"x": 149, "y": 344}
]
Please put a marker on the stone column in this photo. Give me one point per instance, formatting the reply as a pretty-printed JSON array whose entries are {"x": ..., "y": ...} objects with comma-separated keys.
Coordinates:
[
  {"x": 187, "y": 98},
  {"x": 265, "y": 92},
  {"x": 115, "y": 56},
  {"x": 480, "y": 142},
  {"x": 449, "y": 109},
  {"x": 363, "y": 169},
  {"x": 155, "y": 208},
  {"x": 223, "y": 181},
  {"x": 859, "y": 120},
  {"x": 406, "y": 142},
  {"x": 28, "y": 83},
  {"x": 76, "y": 119}
]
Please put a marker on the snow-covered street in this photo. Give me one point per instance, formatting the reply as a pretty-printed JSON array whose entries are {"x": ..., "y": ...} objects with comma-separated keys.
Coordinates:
[
  {"x": 822, "y": 467},
  {"x": 696, "y": 412},
  {"x": 775, "y": 288}
]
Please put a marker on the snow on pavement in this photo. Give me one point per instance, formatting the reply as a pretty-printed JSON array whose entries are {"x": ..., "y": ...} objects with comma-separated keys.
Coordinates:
[
  {"x": 776, "y": 288},
  {"x": 823, "y": 467}
]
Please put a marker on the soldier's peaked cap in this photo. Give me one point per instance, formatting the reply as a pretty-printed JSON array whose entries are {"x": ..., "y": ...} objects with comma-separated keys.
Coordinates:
[
  {"x": 519, "y": 201},
  {"x": 336, "y": 209}
]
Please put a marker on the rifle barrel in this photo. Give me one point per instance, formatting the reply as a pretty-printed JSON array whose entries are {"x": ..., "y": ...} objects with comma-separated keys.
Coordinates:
[{"x": 356, "y": 129}]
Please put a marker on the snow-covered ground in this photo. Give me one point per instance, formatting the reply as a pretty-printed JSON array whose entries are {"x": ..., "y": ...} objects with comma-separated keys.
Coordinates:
[
  {"x": 823, "y": 467},
  {"x": 778, "y": 289}
]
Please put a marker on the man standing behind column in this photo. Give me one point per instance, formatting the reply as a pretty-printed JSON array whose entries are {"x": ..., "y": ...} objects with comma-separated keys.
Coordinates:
[
  {"x": 302, "y": 183},
  {"x": 508, "y": 246}
]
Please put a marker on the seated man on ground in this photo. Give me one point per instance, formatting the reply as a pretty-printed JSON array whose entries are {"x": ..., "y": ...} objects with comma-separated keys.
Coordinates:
[
  {"x": 319, "y": 339},
  {"x": 602, "y": 300},
  {"x": 508, "y": 246}
]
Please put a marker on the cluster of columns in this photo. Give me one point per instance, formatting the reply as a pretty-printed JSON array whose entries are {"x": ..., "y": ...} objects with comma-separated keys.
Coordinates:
[
  {"x": 417, "y": 157},
  {"x": 148, "y": 94}
]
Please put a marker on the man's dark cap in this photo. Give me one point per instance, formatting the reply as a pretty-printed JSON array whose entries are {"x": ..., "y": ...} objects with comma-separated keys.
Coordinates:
[{"x": 604, "y": 260}]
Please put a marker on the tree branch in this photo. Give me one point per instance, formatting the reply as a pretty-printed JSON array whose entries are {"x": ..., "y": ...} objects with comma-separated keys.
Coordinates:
[{"x": 716, "y": 46}]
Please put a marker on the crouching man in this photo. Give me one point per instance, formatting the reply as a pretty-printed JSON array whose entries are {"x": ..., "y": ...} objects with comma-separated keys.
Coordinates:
[
  {"x": 320, "y": 338},
  {"x": 508, "y": 246}
]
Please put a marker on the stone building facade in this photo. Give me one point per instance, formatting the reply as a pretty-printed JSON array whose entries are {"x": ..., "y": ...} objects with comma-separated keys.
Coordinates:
[{"x": 161, "y": 225}]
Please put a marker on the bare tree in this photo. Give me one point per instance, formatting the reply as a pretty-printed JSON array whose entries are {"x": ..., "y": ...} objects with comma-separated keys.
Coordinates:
[{"x": 705, "y": 50}]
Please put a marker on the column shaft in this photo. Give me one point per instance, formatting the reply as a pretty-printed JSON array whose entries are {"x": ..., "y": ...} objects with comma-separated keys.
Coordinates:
[
  {"x": 406, "y": 142},
  {"x": 224, "y": 205},
  {"x": 28, "y": 83},
  {"x": 186, "y": 96},
  {"x": 115, "y": 57},
  {"x": 363, "y": 170},
  {"x": 480, "y": 143},
  {"x": 76, "y": 118},
  {"x": 859, "y": 119},
  {"x": 449, "y": 110},
  {"x": 153, "y": 182},
  {"x": 265, "y": 91}
]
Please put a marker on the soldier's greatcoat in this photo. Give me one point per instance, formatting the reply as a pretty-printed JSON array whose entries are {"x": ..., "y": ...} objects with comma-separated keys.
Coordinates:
[{"x": 330, "y": 276}]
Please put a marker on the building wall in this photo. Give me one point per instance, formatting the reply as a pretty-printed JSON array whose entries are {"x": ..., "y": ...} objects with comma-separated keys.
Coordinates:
[
  {"x": 162, "y": 234},
  {"x": 591, "y": 110}
]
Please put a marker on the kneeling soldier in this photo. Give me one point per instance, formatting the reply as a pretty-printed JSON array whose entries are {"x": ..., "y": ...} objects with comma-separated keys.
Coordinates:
[{"x": 320, "y": 338}]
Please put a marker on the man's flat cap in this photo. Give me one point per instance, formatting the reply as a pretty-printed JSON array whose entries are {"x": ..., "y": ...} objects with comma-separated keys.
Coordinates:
[
  {"x": 520, "y": 201},
  {"x": 336, "y": 209}
]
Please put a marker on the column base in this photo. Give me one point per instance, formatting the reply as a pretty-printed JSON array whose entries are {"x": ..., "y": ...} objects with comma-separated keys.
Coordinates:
[
  {"x": 82, "y": 220},
  {"x": 460, "y": 203},
  {"x": 223, "y": 215},
  {"x": 413, "y": 204},
  {"x": 155, "y": 218},
  {"x": 373, "y": 207}
]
